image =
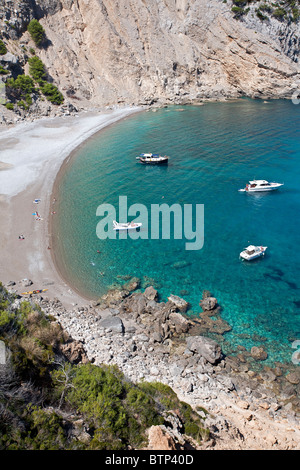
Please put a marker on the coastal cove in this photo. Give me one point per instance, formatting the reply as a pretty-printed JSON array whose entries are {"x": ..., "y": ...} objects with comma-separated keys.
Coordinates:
[
  {"x": 249, "y": 406},
  {"x": 214, "y": 150}
]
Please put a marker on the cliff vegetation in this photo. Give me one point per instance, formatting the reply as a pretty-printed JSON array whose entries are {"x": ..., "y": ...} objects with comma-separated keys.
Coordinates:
[{"x": 50, "y": 403}]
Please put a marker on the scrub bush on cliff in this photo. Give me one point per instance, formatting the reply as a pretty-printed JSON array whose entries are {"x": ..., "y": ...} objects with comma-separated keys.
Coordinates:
[
  {"x": 37, "y": 32},
  {"x": 51, "y": 92},
  {"x": 20, "y": 88},
  {"x": 116, "y": 410},
  {"x": 3, "y": 49},
  {"x": 37, "y": 69}
]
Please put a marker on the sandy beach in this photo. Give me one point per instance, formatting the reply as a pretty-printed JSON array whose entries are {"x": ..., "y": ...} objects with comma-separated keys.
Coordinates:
[{"x": 31, "y": 155}]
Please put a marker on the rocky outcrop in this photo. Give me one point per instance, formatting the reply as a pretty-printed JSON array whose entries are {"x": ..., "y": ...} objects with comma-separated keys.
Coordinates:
[
  {"x": 244, "y": 403},
  {"x": 136, "y": 52},
  {"x": 74, "y": 351},
  {"x": 159, "y": 439}
]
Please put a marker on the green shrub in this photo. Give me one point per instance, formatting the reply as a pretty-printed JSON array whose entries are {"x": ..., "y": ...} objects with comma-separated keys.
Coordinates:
[
  {"x": 51, "y": 92},
  {"x": 265, "y": 7},
  {"x": 167, "y": 398},
  {"x": 279, "y": 13},
  {"x": 119, "y": 411},
  {"x": 239, "y": 3},
  {"x": 9, "y": 106},
  {"x": 3, "y": 71},
  {"x": 6, "y": 318},
  {"x": 3, "y": 49},
  {"x": 238, "y": 11},
  {"x": 37, "y": 69},
  {"x": 20, "y": 90},
  {"x": 260, "y": 15},
  {"x": 46, "y": 431},
  {"x": 296, "y": 14},
  {"x": 22, "y": 105},
  {"x": 23, "y": 83},
  {"x": 36, "y": 31}
]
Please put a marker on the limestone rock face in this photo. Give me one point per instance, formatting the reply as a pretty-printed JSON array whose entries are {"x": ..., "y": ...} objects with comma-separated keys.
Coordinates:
[
  {"x": 160, "y": 439},
  {"x": 163, "y": 51}
]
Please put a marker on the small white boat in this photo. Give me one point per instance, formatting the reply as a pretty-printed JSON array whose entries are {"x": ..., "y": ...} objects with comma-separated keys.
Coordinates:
[
  {"x": 260, "y": 186},
  {"x": 153, "y": 159},
  {"x": 252, "y": 252},
  {"x": 126, "y": 226}
]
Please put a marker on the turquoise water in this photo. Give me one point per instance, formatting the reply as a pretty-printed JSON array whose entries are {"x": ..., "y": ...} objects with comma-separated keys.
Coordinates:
[{"x": 214, "y": 150}]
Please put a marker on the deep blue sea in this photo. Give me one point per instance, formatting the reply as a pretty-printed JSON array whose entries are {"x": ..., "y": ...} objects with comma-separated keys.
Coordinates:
[{"x": 214, "y": 150}]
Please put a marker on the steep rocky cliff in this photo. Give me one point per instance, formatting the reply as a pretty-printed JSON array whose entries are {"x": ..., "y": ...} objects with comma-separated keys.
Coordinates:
[{"x": 102, "y": 52}]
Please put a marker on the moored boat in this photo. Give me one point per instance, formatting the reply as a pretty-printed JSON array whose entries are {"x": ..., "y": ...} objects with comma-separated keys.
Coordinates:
[
  {"x": 260, "y": 186},
  {"x": 252, "y": 252},
  {"x": 126, "y": 226},
  {"x": 153, "y": 159}
]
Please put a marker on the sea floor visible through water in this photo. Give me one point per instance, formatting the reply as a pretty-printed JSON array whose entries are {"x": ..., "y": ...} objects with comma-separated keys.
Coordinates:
[{"x": 214, "y": 150}]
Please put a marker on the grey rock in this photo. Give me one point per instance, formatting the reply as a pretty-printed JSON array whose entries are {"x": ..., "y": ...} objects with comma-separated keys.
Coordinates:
[
  {"x": 114, "y": 324},
  {"x": 258, "y": 353},
  {"x": 150, "y": 293},
  {"x": 142, "y": 337},
  {"x": 180, "y": 322},
  {"x": 179, "y": 303},
  {"x": 25, "y": 282},
  {"x": 205, "y": 347},
  {"x": 176, "y": 370},
  {"x": 209, "y": 303},
  {"x": 9, "y": 58}
]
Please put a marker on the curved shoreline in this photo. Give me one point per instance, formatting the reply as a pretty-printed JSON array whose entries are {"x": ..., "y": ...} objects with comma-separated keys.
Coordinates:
[
  {"x": 56, "y": 259},
  {"x": 36, "y": 152}
]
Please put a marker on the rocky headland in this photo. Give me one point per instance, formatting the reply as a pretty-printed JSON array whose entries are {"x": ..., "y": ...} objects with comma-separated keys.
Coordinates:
[{"x": 245, "y": 404}]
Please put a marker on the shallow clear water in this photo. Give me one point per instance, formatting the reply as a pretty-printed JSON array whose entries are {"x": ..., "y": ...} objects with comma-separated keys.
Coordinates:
[{"x": 214, "y": 150}]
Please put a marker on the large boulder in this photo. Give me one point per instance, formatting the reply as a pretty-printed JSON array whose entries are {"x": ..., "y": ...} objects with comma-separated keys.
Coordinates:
[
  {"x": 25, "y": 282},
  {"x": 208, "y": 303},
  {"x": 181, "y": 304},
  {"x": 151, "y": 293},
  {"x": 258, "y": 353},
  {"x": 181, "y": 324},
  {"x": 113, "y": 323},
  {"x": 204, "y": 347}
]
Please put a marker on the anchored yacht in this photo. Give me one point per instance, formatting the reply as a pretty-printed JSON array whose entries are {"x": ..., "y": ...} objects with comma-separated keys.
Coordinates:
[
  {"x": 261, "y": 186},
  {"x": 252, "y": 252}
]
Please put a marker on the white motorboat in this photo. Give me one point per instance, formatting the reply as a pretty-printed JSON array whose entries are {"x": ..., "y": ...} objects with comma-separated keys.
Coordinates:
[
  {"x": 260, "y": 186},
  {"x": 126, "y": 226},
  {"x": 252, "y": 252},
  {"x": 153, "y": 159}
]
